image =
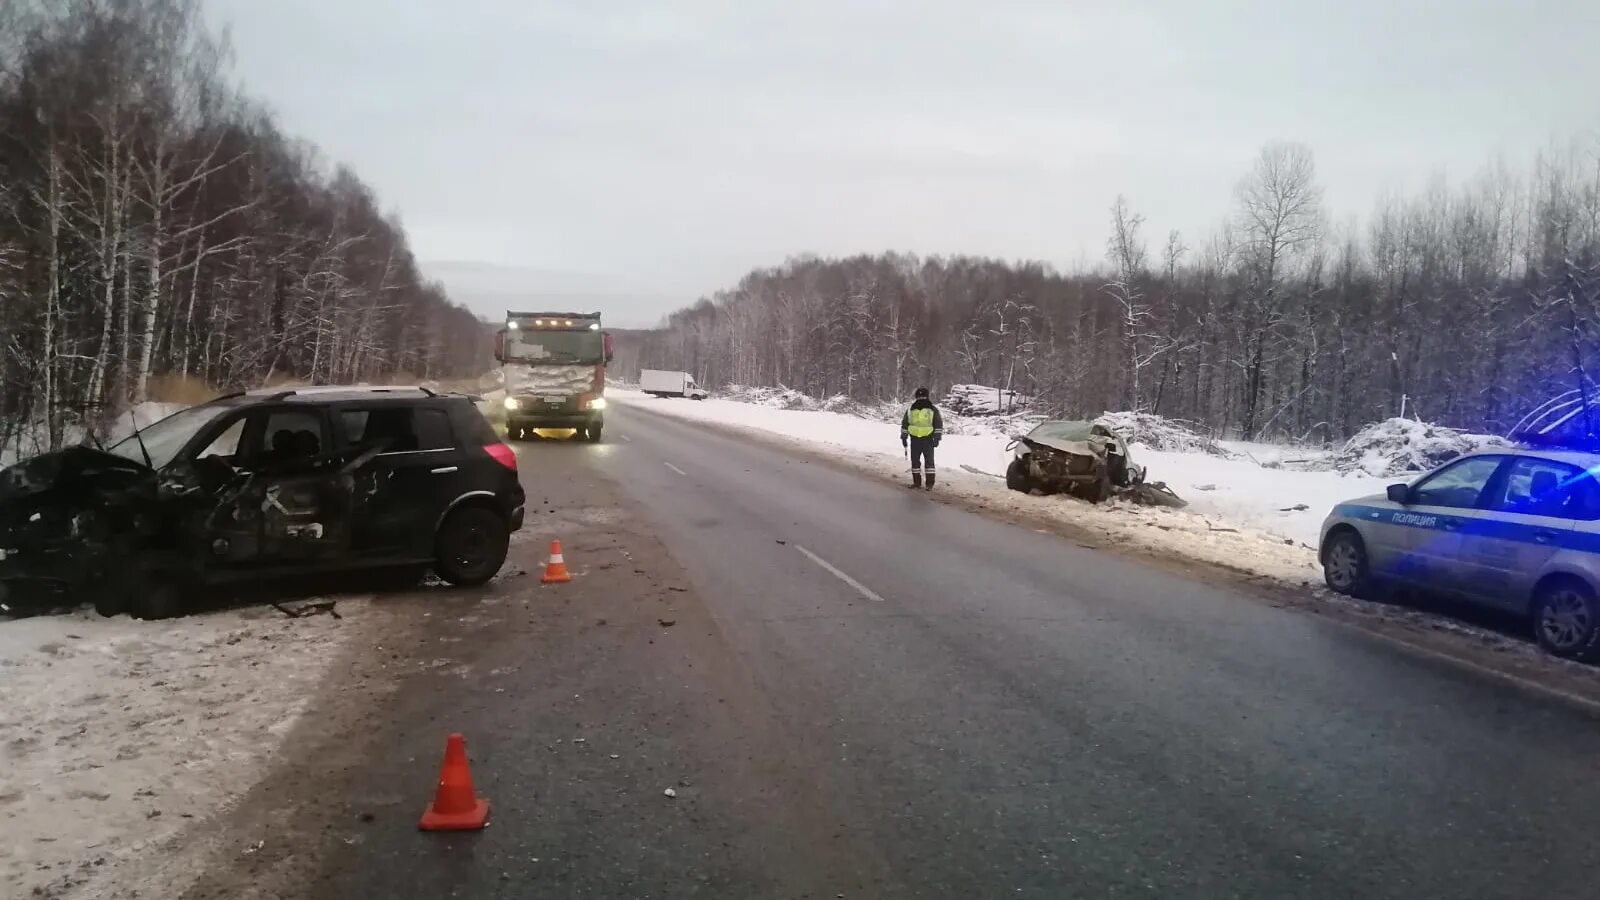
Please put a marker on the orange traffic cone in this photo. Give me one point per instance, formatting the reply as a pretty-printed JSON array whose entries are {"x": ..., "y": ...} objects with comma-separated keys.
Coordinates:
[
  {"x": 555, "y": 571},
  {"x": 455, "y": 806}
]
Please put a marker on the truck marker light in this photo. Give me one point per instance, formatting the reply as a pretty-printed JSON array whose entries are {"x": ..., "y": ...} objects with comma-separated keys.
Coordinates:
[{"x": 511, "y": 403}]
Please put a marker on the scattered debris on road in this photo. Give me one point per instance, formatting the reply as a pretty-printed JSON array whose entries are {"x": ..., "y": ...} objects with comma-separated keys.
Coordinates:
[
  {"x": 669, "y": 793},
  {"x": 309, "y": 609},
  {"x": 667, "y": 623}
]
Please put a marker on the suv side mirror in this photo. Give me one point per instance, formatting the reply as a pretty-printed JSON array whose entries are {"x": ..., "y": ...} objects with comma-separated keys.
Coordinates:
[
  {"x": 1399, "y": 493},
  {"x": 606, "y": 337},
  {"x": 500, "y": 346}
]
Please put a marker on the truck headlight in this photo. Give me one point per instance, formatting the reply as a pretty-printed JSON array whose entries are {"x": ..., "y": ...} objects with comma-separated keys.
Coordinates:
[
  {"x": 511, "y": 403},
  {"x": 597, "y": 403}
]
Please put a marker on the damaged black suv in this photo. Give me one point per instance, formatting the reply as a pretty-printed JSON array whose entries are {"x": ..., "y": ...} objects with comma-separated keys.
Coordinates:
[{"x": 261, "y": 485}]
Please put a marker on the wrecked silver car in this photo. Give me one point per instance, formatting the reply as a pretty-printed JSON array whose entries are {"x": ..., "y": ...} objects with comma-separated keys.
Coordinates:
[{"x": 1085, "y": 459}]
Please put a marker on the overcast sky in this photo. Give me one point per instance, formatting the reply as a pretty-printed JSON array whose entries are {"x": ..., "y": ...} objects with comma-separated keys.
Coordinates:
[{"x": 651, "y": 153}]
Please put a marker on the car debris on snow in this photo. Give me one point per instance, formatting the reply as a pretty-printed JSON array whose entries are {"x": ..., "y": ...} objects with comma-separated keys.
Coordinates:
[{"x": 669, "y": 793}]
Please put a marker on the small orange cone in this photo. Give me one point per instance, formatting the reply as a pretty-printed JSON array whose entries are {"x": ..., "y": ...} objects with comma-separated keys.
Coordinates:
[
  {"x": 555, "y": 571},
  {"x": 455, "y": 806}
]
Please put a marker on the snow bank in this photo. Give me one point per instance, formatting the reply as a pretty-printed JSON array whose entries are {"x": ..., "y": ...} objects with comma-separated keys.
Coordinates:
[
  {"x": 1270, "y": 506},
  {"x": 119, "y": 733},
  {"x": 1160, "y": 433},
  {"x": 1399, "y": 446}
]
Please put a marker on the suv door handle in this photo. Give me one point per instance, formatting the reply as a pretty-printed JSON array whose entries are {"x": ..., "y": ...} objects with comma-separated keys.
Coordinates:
[
  {"x": 446, "y": 470},
  {"x": 1546, "y": 535},
  {"x": 1449, "y": 524}
]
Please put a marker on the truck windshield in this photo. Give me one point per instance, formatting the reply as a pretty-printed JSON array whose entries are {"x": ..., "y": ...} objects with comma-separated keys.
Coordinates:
[{"x": 526, "y": 345}]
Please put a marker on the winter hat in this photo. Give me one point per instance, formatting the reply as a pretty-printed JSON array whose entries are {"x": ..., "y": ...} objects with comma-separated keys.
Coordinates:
[{"x": 921, "y": 394}]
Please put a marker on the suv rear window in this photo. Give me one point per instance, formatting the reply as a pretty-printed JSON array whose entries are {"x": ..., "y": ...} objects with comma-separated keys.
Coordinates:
[{"x": 400, "y": 429}]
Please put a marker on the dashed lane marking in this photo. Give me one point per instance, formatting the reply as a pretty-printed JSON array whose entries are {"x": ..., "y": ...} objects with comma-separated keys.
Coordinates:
[
  {"x": 675, "y": 468},
  {"x": 862, "y": 589}
]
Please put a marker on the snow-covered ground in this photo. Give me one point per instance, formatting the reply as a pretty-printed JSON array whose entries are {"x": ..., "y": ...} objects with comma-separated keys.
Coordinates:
[
  {"x": 116, "y": 733},
  {"x": 1241, "y": 513}
]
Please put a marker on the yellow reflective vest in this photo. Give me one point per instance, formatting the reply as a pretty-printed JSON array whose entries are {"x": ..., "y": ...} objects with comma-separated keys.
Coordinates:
[{"x": 919, "y": 422}]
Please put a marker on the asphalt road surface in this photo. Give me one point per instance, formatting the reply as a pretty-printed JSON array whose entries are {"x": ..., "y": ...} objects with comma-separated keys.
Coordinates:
[{"x": 856, "y": 690}]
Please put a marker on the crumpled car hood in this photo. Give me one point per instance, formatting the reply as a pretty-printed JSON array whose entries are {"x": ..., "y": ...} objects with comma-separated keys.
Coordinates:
[
  {"x": 74, "y": 468},
  {"x": 574, "y": 379},
  {"x": 1075, "y": 448}
]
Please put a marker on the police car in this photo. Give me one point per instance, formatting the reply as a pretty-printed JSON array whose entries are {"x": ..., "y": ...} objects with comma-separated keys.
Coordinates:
[{"x": 1514, "y": 529}]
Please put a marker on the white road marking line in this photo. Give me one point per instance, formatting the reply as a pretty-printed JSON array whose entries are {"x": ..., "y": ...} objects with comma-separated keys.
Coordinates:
[
  {"x": 675, "y": 468},
  {"x": 860, "y": 588},
  {"x": 626, "y": 439}
]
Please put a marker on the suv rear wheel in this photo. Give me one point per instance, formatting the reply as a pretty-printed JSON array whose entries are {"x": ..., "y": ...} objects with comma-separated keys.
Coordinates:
[
  {"x": 1566, "y": 619},
  {"x": 471, "y": 546},
  {"x": 593, "y": 434}
]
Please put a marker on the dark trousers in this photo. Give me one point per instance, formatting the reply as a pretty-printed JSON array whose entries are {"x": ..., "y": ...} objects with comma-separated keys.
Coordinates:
[{"x": 921, "y": 460}]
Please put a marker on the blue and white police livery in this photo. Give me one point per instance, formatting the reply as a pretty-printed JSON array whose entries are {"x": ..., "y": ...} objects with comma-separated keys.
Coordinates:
[{"x": 1515, "y": 529}]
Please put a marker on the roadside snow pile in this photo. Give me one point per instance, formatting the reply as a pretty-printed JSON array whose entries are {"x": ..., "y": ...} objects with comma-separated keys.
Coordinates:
[
  {"x": 1399, "y": 446},
  {"x": 1160, "y": 433},
  {"x": 982, "y": 400},
  {"x": 120, "y": 733},
  {"x": 777, "y": 398}
]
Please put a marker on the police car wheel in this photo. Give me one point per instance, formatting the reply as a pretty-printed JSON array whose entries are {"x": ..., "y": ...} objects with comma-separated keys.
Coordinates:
[
  {"x": 1344, "y": 564},
  {"x": 1566, "y": 620}
]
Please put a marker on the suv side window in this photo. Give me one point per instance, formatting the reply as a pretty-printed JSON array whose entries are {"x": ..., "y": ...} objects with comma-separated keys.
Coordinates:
[
  {"x": 285, "y": 435},
  {"x": 1457, "y": 486},
  {"x": 1539, "y": 487},
  {"x": 226, "y": 443},
  {"x": 433, "y": 430},
  {"x": 398, "y": 429}
]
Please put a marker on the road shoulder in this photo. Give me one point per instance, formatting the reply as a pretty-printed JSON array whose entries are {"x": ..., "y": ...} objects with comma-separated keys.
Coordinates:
[{"x": 1492, "y": 649}]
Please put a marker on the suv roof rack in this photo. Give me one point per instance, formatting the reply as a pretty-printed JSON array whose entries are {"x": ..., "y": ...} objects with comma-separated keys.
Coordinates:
[{"x": 314, "y": 390}]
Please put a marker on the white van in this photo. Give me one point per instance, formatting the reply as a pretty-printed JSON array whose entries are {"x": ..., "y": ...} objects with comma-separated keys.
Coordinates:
[{"x": 661, "y": 383}]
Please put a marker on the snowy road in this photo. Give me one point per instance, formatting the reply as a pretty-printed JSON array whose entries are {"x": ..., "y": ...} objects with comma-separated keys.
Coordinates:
[{"x": 860, "y": 691}]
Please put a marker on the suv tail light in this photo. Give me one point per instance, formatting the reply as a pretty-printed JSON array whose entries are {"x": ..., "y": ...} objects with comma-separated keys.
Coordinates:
[{"x": 503, "y": 455}]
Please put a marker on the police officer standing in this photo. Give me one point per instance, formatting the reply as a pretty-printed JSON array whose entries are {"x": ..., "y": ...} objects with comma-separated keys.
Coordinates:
[{"x": 921, "y": 427}]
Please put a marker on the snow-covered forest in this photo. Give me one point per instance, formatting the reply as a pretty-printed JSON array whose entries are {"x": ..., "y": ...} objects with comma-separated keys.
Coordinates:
[
  {"x": 155, "y": 223},
  {"x": 1467, "y": 304}
]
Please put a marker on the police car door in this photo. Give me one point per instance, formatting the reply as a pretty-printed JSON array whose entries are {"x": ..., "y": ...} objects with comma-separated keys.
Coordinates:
[
  {"x": 1433, "y": 518},
  {"x": 1505, "y": 546}
]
